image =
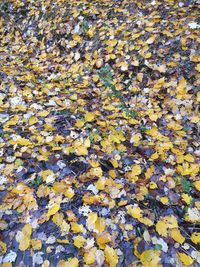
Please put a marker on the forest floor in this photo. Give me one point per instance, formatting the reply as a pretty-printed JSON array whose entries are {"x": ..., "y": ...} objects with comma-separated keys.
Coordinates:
[{"x": 99, "y": 133}]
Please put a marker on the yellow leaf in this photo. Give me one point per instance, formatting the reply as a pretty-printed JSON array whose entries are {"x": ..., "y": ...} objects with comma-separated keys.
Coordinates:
[
  {"x": 161, "y": 68},
  {"x": 140, "y": 76},
  {"x": 197, "y": 185},
  {"x": 150, "y": 258},
  {"x": 164, "y": 200},
  {"x": 146, "y": 221},
  {"x": 114, "y": 163},
  {"x": 77, "y": 228},
  {"x": 73, "y": 97},
  {"x": 53, "y": 209},
  {"x": 91, "y": 32},
  {"x": 59, "y": 138},
  {"x": 195, "y": 58},
  {"x": 79, "y": 241},
  {"x": 93, "y": 163},
  {"x": 87, "y": 142},
  {"x": 197, "y": 205},
  {"x": 181, "y": 88},
  {"x": 33, "y": 120},
  {"x": 79, "y": 123},
  {"x": 189, "y": 158},
  {"x": 24, "y": 242},
  {"x": 89, "y": 116},
  {"x": 167, "y": 222},
  {"x": 111, "y": 256},
  {"x": 23, "y": 142},
  {"x": 122, "y": 203},
  {"x": 112, "y": 42},
  {"x": 59, "y": 187},
  {"x": 153, "y": 117},
  {"x": 195, "y": 237},
  {"x": 197, "y": 67},
  {"x": 171, "y": 221},
  {"x": 97, "y": 172},
  {"x": 180, "y": 159},
  {"x": 195, "y": 119},
  {"x": 135, "y": 63},
  {"x": 187, "y": 199},
  {"x": 27, "y": 230},
  {"x": 72, "y": 262},
  {"x": 69, "y": 193},
  {"x": 100, "y": 225},
  {"x": 81, "y": 150},
  {"x": 76, "y": 37},
  {"x": 45, "y": 174},
  {"x": 177, "y": 236},
  {"x": 161, "y": 228},
  {"x": 185, "y": 259},
  {"x": 152, "y": 185},
  {"x": 89, "y": 257},
  {"x": 149, "y": 172},
  {"x": 136, "y": 35},
  {"x": 58, "y": 218},
  {"x": 43, "y": 113},
  {"x": 46, "y": 263},
  {"x": 151, "y": 40},
  {"x": 154, "y": 156},
  {"x": 136, "y": 170},
  {"x": 146, "y": 55},
  {"x": 100, "y": 185},
  {"x": 136, "y": 139},
  {"x": 92, "y": 218},
  {"x": 169, "y": 34},
  {"x": 36, "y": 244},
  {"x": 135, "y": 212},
  {"x": 103, "y": 239},
  {"x": 3, "y": 248},
  {"x": 6, "y": 264},
  {"x": 115, "y": 138},
  {"x": 43, "y": 191},
  {"x": 152, "y": 132},
  {"x": 112, "y": 174},
  {"x": 124, "y": 66}
]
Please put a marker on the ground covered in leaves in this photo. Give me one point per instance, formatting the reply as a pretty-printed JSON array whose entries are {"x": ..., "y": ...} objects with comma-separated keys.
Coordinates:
[{"x": 99, "y": 133}]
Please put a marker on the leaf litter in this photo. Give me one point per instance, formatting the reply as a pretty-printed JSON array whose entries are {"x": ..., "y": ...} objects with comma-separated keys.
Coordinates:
[{"x": 99, "y": 133}]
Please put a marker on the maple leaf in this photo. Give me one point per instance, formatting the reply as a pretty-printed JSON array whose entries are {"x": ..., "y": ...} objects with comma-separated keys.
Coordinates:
[{"x": 166, "y": 223}]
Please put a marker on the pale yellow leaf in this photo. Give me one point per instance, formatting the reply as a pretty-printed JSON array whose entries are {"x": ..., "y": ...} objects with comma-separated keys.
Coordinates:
[{"x": 111, "y": 256}]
